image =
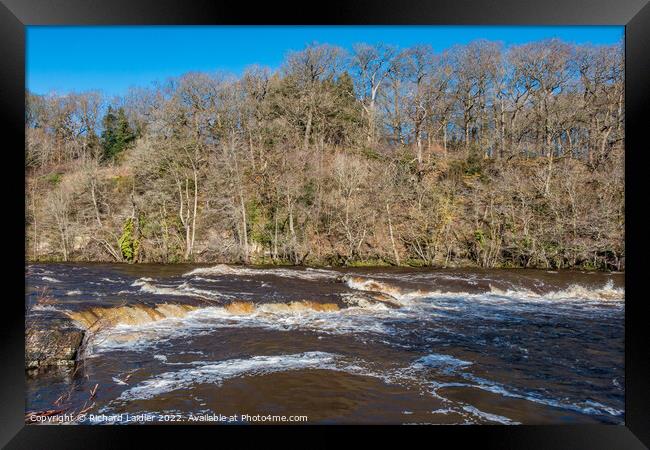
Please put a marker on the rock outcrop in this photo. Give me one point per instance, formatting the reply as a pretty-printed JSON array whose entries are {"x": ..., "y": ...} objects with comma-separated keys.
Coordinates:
[{"x": 51, "y": 342}]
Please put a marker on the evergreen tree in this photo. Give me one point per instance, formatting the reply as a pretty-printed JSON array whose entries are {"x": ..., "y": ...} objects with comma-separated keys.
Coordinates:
[{"x": 117, "y": 134}]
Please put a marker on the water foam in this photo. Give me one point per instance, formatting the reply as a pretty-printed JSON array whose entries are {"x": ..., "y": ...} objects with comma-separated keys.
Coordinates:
[
  {"x": 131, "y": 328},
  {"x": 223, "y": 269},
  {"x": 108, "y": 280},
  {"x": 587, "y": 407},
  {"x": 39, "y": 307},
  {"x": 573, "y": 292},
  {"x": 402, "y": 296},
  {"x": 217, "y": 372},
  {"x": 183, "y": 290},
  {"x": 51, "y": 280},
  {"x": 392, "y": 294},
  {"x": 449, "y": 365},
  {"x": 440, "y": 361},
  {"x": 472, "y": 381},
  {"x": 488, "y": 416}
]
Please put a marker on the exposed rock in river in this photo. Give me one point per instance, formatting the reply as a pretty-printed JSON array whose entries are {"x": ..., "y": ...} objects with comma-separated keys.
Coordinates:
[{"x": 51, "y": 342}]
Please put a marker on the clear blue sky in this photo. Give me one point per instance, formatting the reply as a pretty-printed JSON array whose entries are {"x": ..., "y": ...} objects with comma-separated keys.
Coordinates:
[{"x": 111, "y": 59}]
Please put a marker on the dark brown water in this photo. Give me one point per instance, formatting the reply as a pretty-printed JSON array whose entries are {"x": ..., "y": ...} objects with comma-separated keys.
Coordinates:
[{"x": 340, "y": 346}]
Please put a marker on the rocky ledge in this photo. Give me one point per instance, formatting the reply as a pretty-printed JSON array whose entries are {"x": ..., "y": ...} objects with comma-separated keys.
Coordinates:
[{"x": 51, "y": 342}]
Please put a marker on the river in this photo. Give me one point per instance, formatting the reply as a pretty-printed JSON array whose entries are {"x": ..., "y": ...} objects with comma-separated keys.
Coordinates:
[{"x": 367, "y": 346}]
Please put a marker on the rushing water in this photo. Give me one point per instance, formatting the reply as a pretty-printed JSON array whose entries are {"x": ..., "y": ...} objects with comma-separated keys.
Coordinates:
[{"x": 339, "y": 346}]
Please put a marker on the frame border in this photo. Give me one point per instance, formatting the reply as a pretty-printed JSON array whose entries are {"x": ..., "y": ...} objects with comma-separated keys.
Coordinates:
[{"x": 634, "y": 14}]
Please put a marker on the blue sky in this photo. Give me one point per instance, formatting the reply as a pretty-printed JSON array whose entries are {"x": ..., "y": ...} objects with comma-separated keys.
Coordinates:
[{"x": 112, "y": 59}]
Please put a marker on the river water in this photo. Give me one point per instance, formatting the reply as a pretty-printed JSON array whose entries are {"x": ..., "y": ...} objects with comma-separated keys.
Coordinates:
[{"x": 337, "y": 346}]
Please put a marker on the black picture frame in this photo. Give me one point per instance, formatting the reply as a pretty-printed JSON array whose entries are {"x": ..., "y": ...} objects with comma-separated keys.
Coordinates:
[{"x": 16, "y": 14}]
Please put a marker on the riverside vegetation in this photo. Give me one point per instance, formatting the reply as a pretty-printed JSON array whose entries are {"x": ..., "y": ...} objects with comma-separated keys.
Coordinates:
[{"x": 479, "y": 155}]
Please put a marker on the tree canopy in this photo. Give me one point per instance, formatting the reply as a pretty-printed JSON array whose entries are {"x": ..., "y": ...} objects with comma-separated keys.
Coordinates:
[{"x": 479, "y": 155}]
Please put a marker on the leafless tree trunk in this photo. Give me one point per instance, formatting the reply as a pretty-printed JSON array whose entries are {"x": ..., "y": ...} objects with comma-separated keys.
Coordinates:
[{"x": 392, "y": 239}]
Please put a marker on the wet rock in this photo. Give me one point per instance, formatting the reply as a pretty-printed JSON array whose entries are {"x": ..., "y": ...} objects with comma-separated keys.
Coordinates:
[{"x": 53, "y": 342}]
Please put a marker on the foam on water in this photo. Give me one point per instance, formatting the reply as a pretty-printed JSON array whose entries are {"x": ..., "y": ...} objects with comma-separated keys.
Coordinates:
[
  {"x": 217, "y": 372},
  {"x": 142, "y": 280},
  {"x": 138, "y": 331},
  {"x": 405, "y": 296},
  {"x": 436, "y": 360},
  {"x": 371, "y": 285},
  {"x": 183, "y": 290},
  {"x": 443, "y": 411},
  {"x": 108, "y": 280},
  {"x": 118, "y": 381},
  {"x": 39, "y": 307},
  {"x": 208, "y": 280},
  {"x": 573, "y": 292},
  {"x": 449, "y": 365},
  {"x": 51, "y": 279},
  {"x": 587, "y": 407},
  {"x": 223, "y": 269},
  {"x": 487, "y": 416}
]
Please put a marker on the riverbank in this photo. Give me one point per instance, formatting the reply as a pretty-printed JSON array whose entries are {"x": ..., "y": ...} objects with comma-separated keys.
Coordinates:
[{"x": 375, "y": 263}]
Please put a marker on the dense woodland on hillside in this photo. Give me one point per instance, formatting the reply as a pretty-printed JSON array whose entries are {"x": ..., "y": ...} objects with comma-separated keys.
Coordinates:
[{"x": 480, "y": 155}]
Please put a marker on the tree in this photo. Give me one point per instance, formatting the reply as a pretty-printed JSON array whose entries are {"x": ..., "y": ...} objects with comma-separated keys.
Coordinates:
[
  {"x": 306, "y": 70},
  {"x": 117, "y": 133},
  {"x": 372, "y": 64}
]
